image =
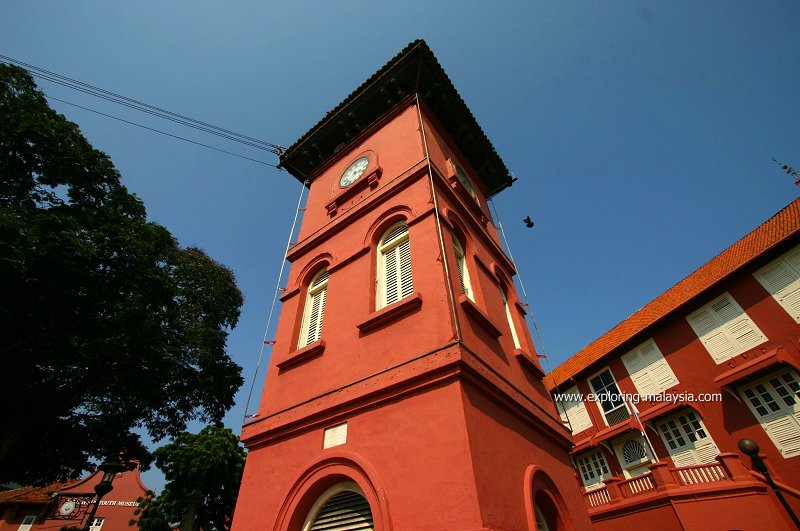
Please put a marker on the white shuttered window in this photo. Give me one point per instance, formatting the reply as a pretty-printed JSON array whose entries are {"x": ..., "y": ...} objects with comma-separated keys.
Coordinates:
[
  {"x": 342, "y": 507},
  {"x": 650, "y": 372},
  {"x": 593, "y": 469},
  {"x": 687, "y": 440},
  {"x": 314, "y": 312},
  {"x": 573, "y": 410},
  {"x": 725, "y": 329},
  {"x": 774, "y": 402},
  {"x": 463, "y": 272},
  {"x": 782, "y": 279},
  {"x": 395, "y": 280}
]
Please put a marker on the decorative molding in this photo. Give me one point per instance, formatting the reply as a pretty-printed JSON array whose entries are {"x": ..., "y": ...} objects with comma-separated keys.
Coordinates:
[{"x": 390, "y": 313}]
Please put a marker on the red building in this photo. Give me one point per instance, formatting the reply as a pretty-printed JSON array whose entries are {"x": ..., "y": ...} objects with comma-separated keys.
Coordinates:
[
  {"x": 404, "y": 391},
  {"x": 719, "y": 355},
  {"x": 34, "y": 509}
]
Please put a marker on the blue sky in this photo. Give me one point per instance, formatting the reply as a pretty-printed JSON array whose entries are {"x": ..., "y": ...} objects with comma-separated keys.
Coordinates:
[{"x": 641, "y": 133}]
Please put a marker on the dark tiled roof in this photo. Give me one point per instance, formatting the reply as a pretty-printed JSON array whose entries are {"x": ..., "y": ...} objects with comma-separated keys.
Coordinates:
[
  {"x": 414, "y": 70},
  {"x": 772, "y": 232}
]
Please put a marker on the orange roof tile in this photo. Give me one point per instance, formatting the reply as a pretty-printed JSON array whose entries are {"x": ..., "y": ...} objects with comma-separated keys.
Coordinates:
[
  {"x": 766, "y": 236},
  {"x": 30, "y": 495}
]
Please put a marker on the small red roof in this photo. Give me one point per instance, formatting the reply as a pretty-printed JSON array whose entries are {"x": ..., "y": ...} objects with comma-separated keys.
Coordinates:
[
  {"x": 772, "y": 232},
  {"x": 30, "y": 495}
]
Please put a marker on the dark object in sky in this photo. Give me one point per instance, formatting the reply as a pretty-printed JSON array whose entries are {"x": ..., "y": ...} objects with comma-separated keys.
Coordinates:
[{"x": 528, "y": 222}]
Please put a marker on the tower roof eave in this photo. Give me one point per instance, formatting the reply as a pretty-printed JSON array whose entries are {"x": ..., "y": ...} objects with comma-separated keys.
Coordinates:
[{"x": 414, "y": 70}]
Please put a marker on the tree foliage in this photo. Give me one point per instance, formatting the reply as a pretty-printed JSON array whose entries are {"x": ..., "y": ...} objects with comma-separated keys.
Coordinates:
[
  {"x": 203, "y": 473},
  {"x": 106, "y": 323}
]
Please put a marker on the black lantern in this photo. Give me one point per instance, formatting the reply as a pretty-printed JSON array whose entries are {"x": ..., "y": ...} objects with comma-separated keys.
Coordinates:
[
  {"x": 750, "y": 447},
  {"x": 109, "y": 470}
]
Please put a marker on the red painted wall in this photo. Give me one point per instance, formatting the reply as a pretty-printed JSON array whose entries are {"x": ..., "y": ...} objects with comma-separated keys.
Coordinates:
[{"x": 444, "y": 431}]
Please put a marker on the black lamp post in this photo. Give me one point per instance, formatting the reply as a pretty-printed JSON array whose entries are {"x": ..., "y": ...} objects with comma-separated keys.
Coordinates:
[
  {"x": 750, "y": 447},
  {"x": 109, "y": 469}
]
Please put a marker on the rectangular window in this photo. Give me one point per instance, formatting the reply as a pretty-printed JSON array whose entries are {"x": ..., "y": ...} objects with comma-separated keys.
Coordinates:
[
  {"x": 573, "y": 411},
  {"x": 97, "y": 524},
  {"x": 687, "y": 440},
  {"x": 725, "y": 329},
  {"x": 781, "y": 278},
  {"x": 27, "y": 523},
  {"x": 774, "y": 402},
  {"x": 314, "y": 312},
  {"x": 463, "y": 271},
  {"x": 649, "y": 370},
  {"x": 632, "y": 454},
  {"x": 395, "y": 280},
  {"x": 611, "y": 404},
  {"x": 510, "y": 318},
  {"x": 593, "y": 469}
]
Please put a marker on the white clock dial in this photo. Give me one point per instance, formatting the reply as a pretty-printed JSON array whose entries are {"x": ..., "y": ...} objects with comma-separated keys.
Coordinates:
[
  {"x": 354, "y": 171},
  {"x": 67, "y": 507}
]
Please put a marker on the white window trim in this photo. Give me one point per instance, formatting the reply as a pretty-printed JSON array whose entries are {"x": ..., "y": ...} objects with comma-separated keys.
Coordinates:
[
  {"x": 650, "y": 372},
  {"x": 781, "y": 278},
  {"x": 574, "y": 412},
  {"x": 399, "y": 246},
  {"x": 589, "y": 462},
  {"x": 463, "y": 270},
  {"x": 725, "y": 333},
  {"x": 314, "y": 311},
  {"x": 701, "y": 451},
  {"x": 599, "y": 402},
  {"x": 27, "y": 523},
  {"x": 97, "y": 524},
  {"x": 782, "y": 426},
  {"x": 632, "y": 469},
  {"x": 510, "y": 317}
]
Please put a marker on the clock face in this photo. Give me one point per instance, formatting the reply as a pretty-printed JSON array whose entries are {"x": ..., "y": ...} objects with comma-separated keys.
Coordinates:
[
  {"x": 67, "y": 507},
  {"x": 354, "y": 171}
]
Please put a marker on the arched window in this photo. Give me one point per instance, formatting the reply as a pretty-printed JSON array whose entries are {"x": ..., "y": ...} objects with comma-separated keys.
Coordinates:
[
  {"x": 510, "y": 318},
  {"x": 341, "y": 507},
  {"x": 394, "y": 266},
  {"x": 463, "y": 271},
  {"x": 314, "y": 311}
]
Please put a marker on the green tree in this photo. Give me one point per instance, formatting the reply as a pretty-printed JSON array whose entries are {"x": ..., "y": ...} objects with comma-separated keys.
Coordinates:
[
  {"x": 203, "y": 473},
  {"x": 106, "y": 323}
]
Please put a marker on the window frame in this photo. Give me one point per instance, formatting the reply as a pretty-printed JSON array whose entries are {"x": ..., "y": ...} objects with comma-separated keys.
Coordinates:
[
  {"x": 781, "y": 425},
  {"x": 317, "y": 291},
  {"x": 600, "y": 403},
  {"x": 400, "y": 245},
  {"x": 653, "y": 377},
  {"x": 687, "y": 452},
  {"x": 721, "y": 340},
  {"x": 588, "y": 462},
  {"x": 786, "y": 294},
  {"x": 462, "y": 268}
]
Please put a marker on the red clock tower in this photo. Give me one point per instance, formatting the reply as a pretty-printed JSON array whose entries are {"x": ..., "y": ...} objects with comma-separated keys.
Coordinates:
[{"x": 404, "y": 391}]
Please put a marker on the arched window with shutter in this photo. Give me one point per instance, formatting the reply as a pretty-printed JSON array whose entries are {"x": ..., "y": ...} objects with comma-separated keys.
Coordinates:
[
  {"x": 341, "y": 507},
  {"x": 461, "y": 266},
  {"x": 311, "y": 329},
  {"x": 395, "y": 280}
]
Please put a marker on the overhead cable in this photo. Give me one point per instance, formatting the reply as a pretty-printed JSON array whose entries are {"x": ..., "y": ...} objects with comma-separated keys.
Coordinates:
[{"x": 146, "y": 108}]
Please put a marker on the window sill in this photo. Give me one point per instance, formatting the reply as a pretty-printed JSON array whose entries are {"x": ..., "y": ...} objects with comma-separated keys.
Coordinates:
[
  {"x": 390, "y": 313},
  {"x": 528, "y": 363},
  {"x": 477, "y": 315},
  {"x": 302, "y": 355}
]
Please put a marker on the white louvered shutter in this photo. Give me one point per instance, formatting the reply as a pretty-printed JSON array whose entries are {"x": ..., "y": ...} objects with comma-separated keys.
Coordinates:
[
  {"x": 461, "y": 265},
  {"x": 781, "y": 279},
  {"x": 346, "y": 511},
  {"x": 687, "y": 440},
  {"x": 774, "y": 402},
  {"x": 574, "y": 411},
  {"x": 649, "y": 370},
  {"x": 315, "y": 309},
  {"x": 396, "y": 280},
  {"x": 725, "y": 329}
]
